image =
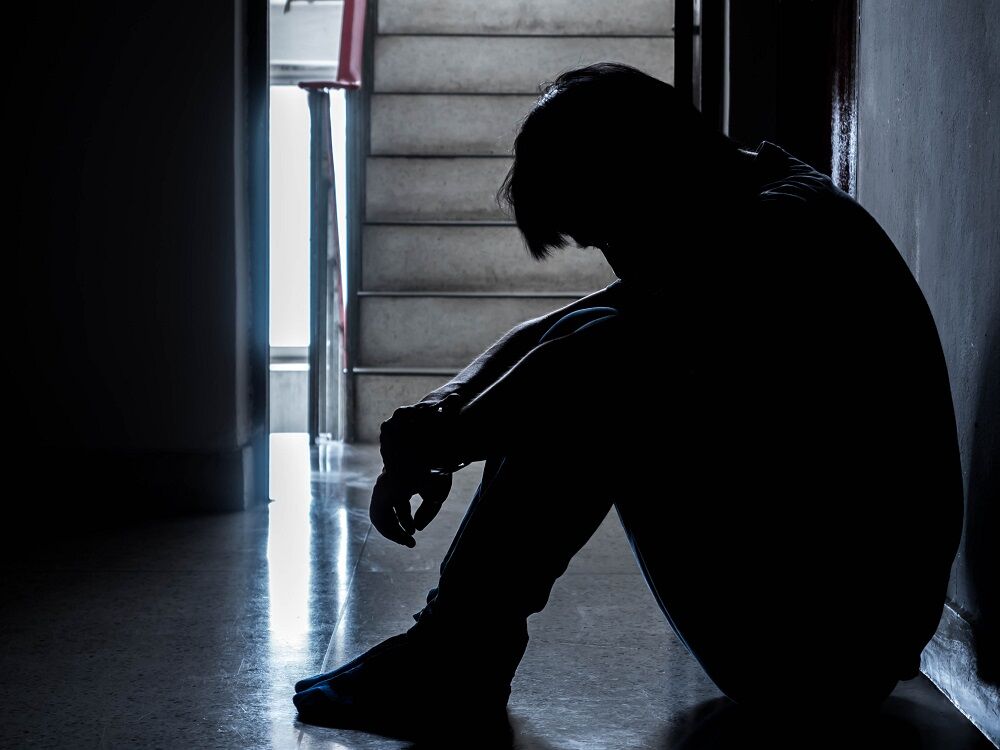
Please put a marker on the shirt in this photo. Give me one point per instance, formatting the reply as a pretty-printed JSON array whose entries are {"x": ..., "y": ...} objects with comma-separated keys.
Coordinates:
[{"x": 800, "y": 411}]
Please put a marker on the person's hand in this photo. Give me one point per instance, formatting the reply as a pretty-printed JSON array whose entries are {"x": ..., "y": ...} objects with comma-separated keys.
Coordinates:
[
  {"x": 390, "y": 504},
  {"x": 416, "y": 437}
]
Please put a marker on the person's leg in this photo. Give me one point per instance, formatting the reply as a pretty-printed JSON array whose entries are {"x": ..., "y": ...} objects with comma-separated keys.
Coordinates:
[
  {"x": 529, "y": 516},
  {"x": 567, "y": 324},
  {"x": 454, "y": 666},
  {"x": 529, "y": 519},
  {"x": 517, "y": 537},
  {"x": 571, "y": 322},
  {"x": 748, "y": 605},
  {"x": 760, "y": 558}
]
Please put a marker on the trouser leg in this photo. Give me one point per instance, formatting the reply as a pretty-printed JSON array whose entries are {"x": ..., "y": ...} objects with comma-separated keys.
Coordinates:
[
  {"x": 525, "y": 523},
  {"x": 530, "y": 515}
]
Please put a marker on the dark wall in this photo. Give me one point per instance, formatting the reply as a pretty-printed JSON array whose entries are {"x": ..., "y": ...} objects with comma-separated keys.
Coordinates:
[
  {"x": 132, "y": 341},
  {"x": 929, "y": 171}
]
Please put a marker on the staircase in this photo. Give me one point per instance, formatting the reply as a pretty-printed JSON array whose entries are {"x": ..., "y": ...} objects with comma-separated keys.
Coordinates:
[{"x": 443, "y": 272}]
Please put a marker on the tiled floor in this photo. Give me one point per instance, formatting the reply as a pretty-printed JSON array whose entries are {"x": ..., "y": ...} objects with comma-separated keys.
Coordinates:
[{"x": 190, "y": 633}]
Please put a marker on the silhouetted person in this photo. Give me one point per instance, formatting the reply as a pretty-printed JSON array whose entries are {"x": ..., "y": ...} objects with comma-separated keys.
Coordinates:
[{"x": 761, "y": 395}]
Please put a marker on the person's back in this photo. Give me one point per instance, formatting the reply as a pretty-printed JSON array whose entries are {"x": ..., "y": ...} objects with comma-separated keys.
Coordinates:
[{"x": 811, "y": 485}]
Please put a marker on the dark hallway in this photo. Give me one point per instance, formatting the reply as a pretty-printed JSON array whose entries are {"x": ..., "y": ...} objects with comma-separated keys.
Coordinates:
[{"x": 173, "y": 560}]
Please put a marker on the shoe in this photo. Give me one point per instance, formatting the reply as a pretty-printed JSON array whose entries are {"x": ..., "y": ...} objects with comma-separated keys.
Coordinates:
[{"x": 404, "y": 688}]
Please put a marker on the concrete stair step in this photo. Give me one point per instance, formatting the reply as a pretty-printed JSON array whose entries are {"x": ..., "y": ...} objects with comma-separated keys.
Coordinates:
[
  {"x": 447, "y": 188},
  {"x": 505, "y": 65},
  {"x": 446, "y": 124},
  {"x": 470, "y": 258},
  {"x": 445, "y": 271},
  {"x": 441, "y": 331},
  {"x": 524, "y": 17}
]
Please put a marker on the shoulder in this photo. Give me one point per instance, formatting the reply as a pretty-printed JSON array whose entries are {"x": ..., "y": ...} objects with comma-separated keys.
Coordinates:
[
  {"x": 790, "y": 186},
  {"x": 840, "y": 264},
  {"x": 800, "y": 205}
]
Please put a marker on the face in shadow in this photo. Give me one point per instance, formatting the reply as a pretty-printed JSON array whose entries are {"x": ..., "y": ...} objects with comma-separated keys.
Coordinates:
[{"x": 610, "y": 157}]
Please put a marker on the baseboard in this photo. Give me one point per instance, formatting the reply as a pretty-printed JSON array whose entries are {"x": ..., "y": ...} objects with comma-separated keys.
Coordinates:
[
  {"x": 949, "y": 661},
  {"x": 69, "y": 489},
  {"x": 188, "y": 482}
]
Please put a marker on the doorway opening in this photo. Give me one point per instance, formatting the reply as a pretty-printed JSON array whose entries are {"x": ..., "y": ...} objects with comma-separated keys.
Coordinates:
[
  {"x": 313, "y": 68},
  {"x": 294, "y": 288}
]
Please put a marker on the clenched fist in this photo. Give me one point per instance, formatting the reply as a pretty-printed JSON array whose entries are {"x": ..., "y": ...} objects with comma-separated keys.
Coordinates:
[{"x": 421, "y": 437}]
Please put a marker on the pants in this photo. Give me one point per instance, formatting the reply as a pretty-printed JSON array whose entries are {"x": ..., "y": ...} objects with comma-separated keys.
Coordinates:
[{"x": 773, "y": 617}]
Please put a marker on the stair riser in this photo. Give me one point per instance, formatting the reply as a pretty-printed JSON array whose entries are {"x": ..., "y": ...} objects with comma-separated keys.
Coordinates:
[
  {"x": 440, "y": 331},
  {"x": 462, "y": 189},
  {"x": 523, "y": 17},
  {"x": 445, "y": 124},
  {"x": 490, "y": 259},
  {"x": 516, "y": 65}
]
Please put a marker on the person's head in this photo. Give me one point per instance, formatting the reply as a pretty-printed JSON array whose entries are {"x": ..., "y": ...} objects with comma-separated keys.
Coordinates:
[{"x": 608, "y": 157}]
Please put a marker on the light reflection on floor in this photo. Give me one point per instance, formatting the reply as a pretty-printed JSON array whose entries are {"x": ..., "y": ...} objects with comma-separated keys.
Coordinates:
[
  {"x": 288, "y": 565},
  {"x": 296, "y": 551}
]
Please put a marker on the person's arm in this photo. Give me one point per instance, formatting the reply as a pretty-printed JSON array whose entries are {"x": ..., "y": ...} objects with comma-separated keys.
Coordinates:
[
  {"x": 419, "y": 444},
  {"x": 410, "y": 431},
  {"x": 562, "y": 386},
  {"x": 508, "y": 350}
]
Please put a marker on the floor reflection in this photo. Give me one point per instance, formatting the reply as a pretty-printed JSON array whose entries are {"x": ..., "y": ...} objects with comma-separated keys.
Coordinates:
[
  {"x": 331, "y": 463},
  {"x": 312, "y": 554},
  {"x": 289, "y": 569}
]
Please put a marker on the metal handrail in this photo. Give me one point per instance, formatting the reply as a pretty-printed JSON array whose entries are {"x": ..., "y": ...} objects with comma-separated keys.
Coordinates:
[{"x": 324, "y": 224}]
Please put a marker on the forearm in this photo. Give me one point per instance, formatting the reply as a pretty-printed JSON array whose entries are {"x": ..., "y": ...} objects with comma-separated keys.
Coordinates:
[
  {"x": 509, "y": 349},
  {"x": 489, "y": 366},
  {"x": 417, "y": 437},
  {"x": 562, "y": 387}
]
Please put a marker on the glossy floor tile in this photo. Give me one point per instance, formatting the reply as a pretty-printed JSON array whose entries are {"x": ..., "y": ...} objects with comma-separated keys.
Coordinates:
[{"x": 190, "y": 633}]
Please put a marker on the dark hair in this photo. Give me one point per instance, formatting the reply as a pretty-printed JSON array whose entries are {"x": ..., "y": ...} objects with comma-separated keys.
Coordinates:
[{"x": 585, "y": 152}]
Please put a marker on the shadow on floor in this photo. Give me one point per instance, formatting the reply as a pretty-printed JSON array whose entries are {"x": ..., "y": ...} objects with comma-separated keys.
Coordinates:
[
  {"x": 720, "y": 724},
  {"x": 903, "y": 723}
]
